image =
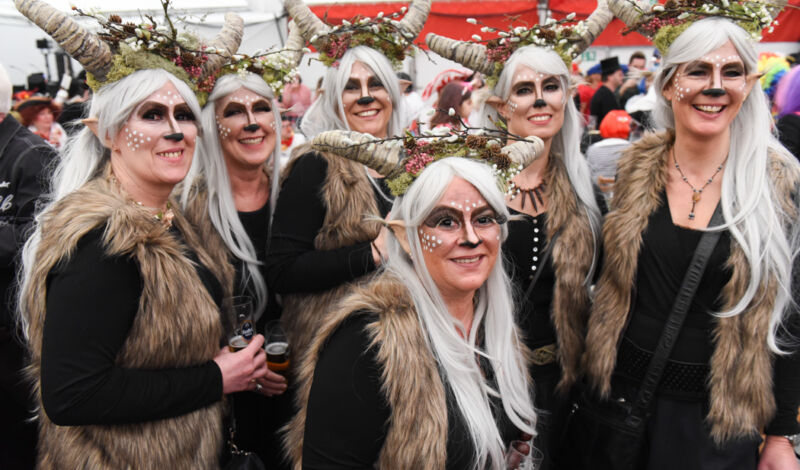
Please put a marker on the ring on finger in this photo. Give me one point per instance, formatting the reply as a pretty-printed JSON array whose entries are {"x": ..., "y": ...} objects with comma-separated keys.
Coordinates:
[{"x": 259, "y": 387}]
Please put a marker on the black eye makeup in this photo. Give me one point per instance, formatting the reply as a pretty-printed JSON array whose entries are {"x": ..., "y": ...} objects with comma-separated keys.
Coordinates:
[
  {"x": 183, "y": 113},
  {"x": 152, "y": 111},
  {"x": 444, "y": 218}
]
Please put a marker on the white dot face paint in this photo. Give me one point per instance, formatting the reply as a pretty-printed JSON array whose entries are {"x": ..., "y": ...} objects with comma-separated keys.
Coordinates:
[
  {"x": 536, "y": 103},
  {"x": 142, "y": 153},
  {"x": 244, "y": 145},
  {"x": 710, "y": 113},
  {"x": 460, "y": 240}
]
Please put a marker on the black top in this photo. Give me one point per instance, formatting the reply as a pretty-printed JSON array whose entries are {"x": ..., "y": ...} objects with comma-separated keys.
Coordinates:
[
  {"x": 347, "y": 415},
  {"x": 527, "y": 240},
  {"x": 789, "y": 133},
  {"x": 666, "y": 253},
  {"x": 256, "y": 225},
  {"x": 293, "y": 264},
  {"x": 92, "y": 301},
  {"x": 603, "y": 101}
]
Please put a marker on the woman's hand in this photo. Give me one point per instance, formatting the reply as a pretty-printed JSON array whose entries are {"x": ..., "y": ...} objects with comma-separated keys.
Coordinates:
[
  {"x": 241, "y": 369},
  {"x": 272, "y": 384},
  {"x": 778, "y": 454}
]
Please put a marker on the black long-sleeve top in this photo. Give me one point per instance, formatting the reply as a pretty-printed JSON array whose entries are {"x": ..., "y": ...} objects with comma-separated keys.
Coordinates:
[
  {"x": 666, "y": 253},
  {"x": 347, "y": 417},
  {"x": 92, "y": 300},
  {"x": 293, "y": 264}
]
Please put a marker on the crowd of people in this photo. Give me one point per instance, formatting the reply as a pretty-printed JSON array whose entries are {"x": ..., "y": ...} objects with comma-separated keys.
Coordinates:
[{"x": 534, "y": 269}]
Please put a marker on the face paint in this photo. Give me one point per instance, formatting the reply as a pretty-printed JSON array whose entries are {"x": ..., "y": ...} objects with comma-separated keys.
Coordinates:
[
  {"x": 460, "y": 239},
  {"x": 536, "y": 104},
  {"x": 246, "y": 127},
  {"x": 707, "y": 94},
  {"x": 366, "y": 102}
]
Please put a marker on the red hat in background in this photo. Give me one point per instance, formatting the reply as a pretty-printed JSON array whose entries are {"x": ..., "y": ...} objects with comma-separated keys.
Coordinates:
[{"x": 617, "y": 123}]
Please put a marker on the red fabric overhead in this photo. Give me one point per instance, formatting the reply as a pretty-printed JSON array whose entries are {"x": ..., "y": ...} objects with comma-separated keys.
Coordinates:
[{"x": 448, "y": 18}]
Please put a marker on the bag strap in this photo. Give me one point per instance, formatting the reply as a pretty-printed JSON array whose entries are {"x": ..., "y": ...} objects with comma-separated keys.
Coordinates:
[{"x": 675, "y": 321}]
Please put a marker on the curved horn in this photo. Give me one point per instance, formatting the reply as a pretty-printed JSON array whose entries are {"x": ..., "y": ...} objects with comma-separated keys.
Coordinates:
[
  {"x": 383, "y": 157},
  {"x": 226, "y": 43},
  {"x": 415, "y": 18},
  {"x": 80, "y": 44},
  {"x": 468, "y": 54},
  {"x": 305, "y": 19},
  {"x": 295, "y": 44},
  {"x": 595, "y": 24},
  {"x": 524, "y": 152},
  {"x": 626, "y": 11}
]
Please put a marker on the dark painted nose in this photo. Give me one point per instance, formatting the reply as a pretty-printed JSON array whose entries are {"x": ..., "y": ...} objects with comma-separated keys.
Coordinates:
[
  {"x": 539, "y": 103},
  {"x": 364, "y": 100},
  {"x": 177, "y": 137},
  {"x": 251, "y": 128},
  {"x": 714, "y": 92}
]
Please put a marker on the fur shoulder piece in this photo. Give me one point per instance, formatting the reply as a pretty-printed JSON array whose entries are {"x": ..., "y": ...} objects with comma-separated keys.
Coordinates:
[{"x": 417, "y": 429}]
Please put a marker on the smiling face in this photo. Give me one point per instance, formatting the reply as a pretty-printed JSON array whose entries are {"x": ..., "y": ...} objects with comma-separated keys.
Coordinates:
[
  {"x": 153, "y": 150},
  {"x": 246, "y": 128},
  {"x": 460, "y": 240},
  {"x": 535, "y": 105},
  {"x": 706, "y": 94},
  {"x": 366, "y": 102}
]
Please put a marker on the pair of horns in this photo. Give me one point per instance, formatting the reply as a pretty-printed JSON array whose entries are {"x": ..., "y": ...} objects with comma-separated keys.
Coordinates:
[
  {"x": 630, "y": 12},
  {"x": 311, "y": 26},
  {"x": 386, "y": 157},
  {"x": 473, "y": 55},
  {"x": 96, "y": 56}
]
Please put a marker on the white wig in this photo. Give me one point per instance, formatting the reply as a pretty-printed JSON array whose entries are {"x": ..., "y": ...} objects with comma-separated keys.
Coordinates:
[
  {"x": 210, "y": 163},
  {"x": 85, "y": 156},
  {"x": 493, "y": 313},
  {"x": 327, "y": 112},
  {"x": 566, "y": 143},
  {"x": 751, "y": 209}
]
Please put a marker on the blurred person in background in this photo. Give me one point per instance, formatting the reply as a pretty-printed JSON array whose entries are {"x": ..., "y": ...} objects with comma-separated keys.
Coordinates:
[
  {"x": 453, "y": 106},
  {"x": 605, "y": 98},
  {"x": 412, "y": 101},
  {"x": 787, "y": 100},
  {"x": 602, "y": 156},
  {"x": 39, "y": 114}
]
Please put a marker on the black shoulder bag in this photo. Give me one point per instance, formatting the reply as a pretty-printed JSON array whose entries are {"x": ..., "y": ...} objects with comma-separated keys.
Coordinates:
[{"x": 609, "y": 434}]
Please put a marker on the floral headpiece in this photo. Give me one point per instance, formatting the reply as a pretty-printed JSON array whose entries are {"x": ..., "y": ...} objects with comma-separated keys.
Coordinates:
[
  {"x": 663, "y": 23},
  {"x": 402, "y": 159},
  {"x": 275, "y": 67},
  {"x": 123, "y": 48},
  {"x": 386, "y": 34},
  {"x": 567, "y": 38}
]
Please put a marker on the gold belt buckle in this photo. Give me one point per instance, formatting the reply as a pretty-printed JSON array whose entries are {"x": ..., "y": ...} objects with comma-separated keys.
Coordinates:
[{"x": 544, "y": 355}]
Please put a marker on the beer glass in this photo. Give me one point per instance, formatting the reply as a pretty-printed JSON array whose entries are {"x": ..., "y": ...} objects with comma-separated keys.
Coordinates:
[
  {"x": 276, "y": 345},
  {"x": 243, "y": 325}
]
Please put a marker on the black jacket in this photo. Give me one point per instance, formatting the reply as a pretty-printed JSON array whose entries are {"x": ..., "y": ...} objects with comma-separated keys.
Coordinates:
[{"x": 24, "y": 163}]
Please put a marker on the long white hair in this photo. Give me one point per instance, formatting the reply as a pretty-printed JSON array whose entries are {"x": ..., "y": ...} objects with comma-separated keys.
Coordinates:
[
  {"x": 327, "y": 112},
  {"x": 494, "y": 313},
  {"x": 85, "y": 156},
  {"x": 751, "y": 209},
  {"x": 566, "y": 143},
  {"x": 210, "y": 163}
]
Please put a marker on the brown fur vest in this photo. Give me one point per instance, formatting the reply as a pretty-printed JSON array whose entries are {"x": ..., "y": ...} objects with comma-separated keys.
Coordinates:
[
  {"x": 417, "y": 433},
  {"x": 740, "y": 382},
  {"x": 349, "y": 198},
  {"x": 572, "y": 256},
  {"x": 174, "y": 327}
]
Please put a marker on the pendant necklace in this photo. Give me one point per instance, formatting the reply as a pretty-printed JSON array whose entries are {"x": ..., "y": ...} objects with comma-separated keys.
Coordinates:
[
  {"x": 535, "y": 194},
  {"x": 696, "y": 193}
]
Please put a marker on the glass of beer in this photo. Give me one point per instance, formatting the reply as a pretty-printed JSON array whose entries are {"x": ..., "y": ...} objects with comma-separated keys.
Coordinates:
[
  {"x": 276, "y": 345},
  {"x": 243, "y": 325}
]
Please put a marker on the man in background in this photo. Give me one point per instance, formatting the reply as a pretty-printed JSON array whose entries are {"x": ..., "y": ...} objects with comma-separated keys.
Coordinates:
[{"x": 604, "y": 99}]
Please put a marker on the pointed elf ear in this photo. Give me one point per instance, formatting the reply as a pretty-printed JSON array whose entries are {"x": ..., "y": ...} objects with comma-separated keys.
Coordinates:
[
  {"x": 398, "y": 228},
  {"x": 403, "y": 84},
  {"x": 750, "y": 81},
  {"x": 499, "y": 105},
  {"x": 92, "y": 124}
]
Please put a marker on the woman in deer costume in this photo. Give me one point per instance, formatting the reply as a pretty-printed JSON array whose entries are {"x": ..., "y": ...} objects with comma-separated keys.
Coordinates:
[
  {"x": 716, "y": 168},
  {"x": 120, "y": 298},
  {"x": 231, "y": 184},
  {"x": 422, "y": 367},
  {"x": 321, "y": 244},
  {"x": 553, "y": 245}
]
